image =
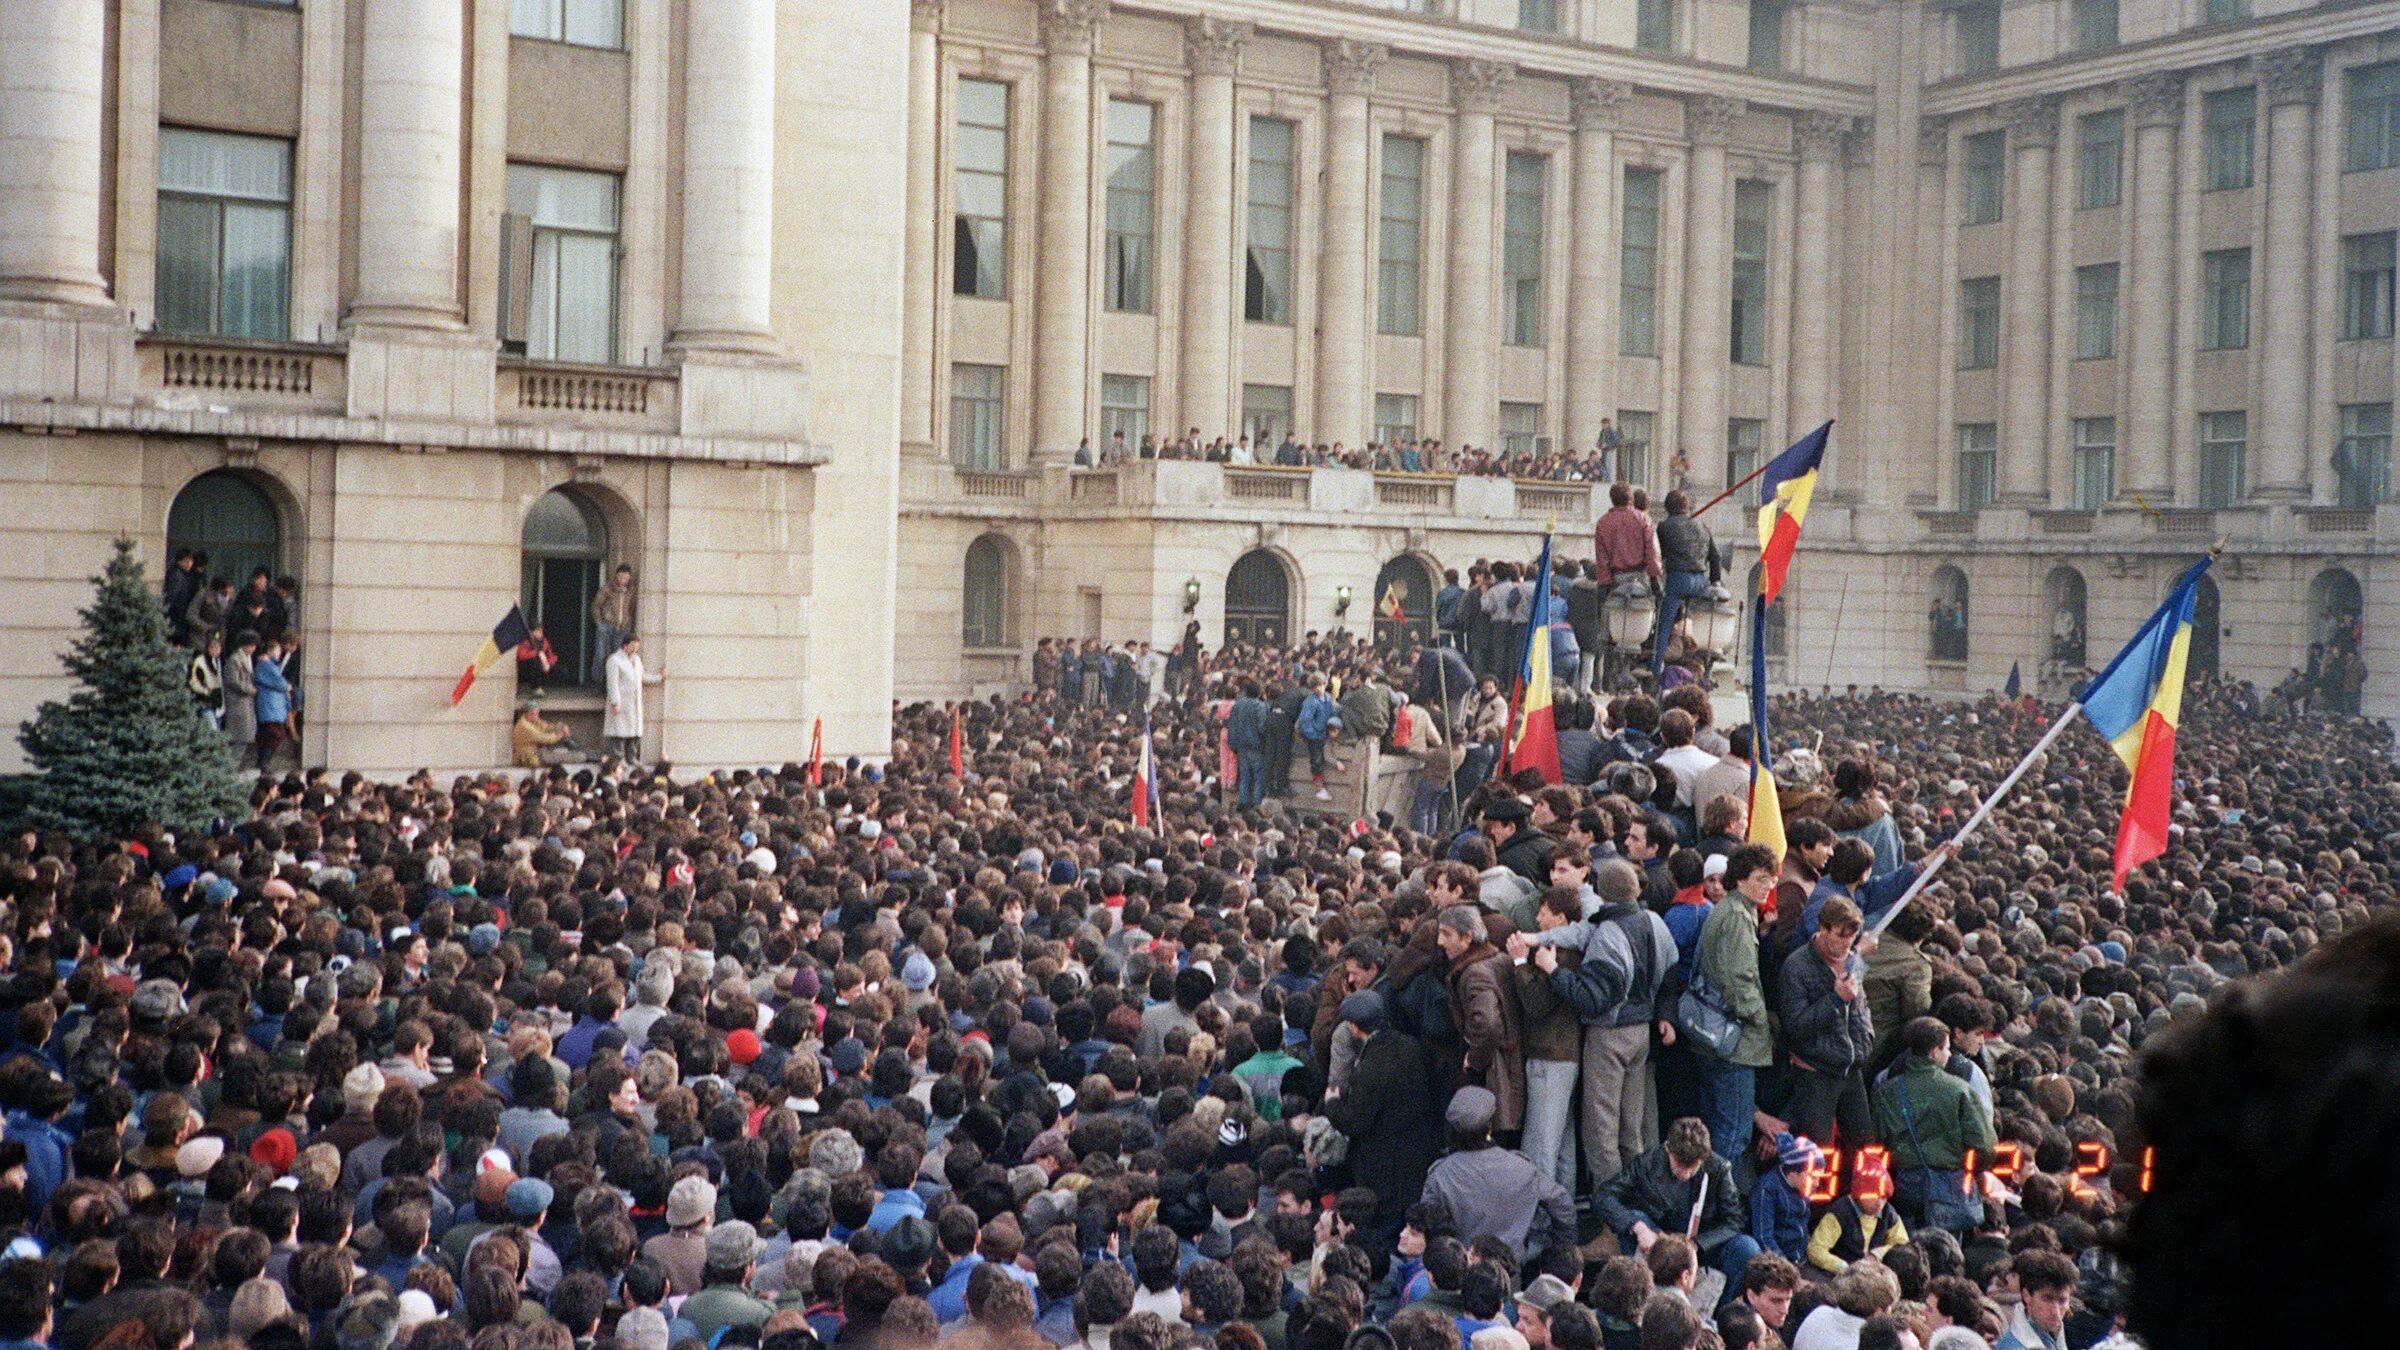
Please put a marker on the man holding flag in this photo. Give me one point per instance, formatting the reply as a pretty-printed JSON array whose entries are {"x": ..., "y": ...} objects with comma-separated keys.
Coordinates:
[
  {"x": 1784, "y": 490},
  {"x": 1533, "y": 731}
]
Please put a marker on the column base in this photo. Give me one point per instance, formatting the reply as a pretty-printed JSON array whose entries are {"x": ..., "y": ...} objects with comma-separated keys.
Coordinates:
[
  {"x": 726, "y": 393},
  {"x": 66, "y": 352},
  {"x": 421, "y": 374}
]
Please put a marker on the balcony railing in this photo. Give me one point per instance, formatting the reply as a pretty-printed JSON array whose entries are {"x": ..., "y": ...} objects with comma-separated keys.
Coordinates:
[
  {"x": 2337, "y": 520},
  {"x": 1573, "y": 500},
  {"x": 236, "y": 371},
  {"x": 1267, "y": 485},
  {"x": 1414, "y": 493},
  {"x": 975, "y": 483},
  {"x": 1093, "y": 489}
]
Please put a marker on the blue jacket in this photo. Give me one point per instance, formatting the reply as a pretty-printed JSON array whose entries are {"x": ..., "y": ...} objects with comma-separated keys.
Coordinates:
[
  {"x": 1246, "y": 726},
  {"x": 1445, "y": 605},
  {"x": 46, "y": 1152},
  {"x": 1872, "y": 896},
  {"x": 274, "y": 692},
  {"x": 893, "y": 1207},
  {"x": 1779, "y": 1218},
  {"x": 1317, "y": 717}
]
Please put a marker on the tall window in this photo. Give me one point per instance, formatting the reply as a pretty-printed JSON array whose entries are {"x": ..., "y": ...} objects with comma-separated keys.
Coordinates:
[
  {"x": 1267, "y": 292},
  {"x": 977, "y": 394},
  {"x": 1521, "y": 247},
  {"x": 1975, "y": 32},
  {"x": 1979, "y": 323},
  {"x": 585, "y": 23},
  {"x": 1125, "y": 407},
  {"x": 1753, "y": 201},
  {"x": 2096, "y": 312},
  {"x": 2362, "y": 463},
  {"x": 1654, "y": 25},
  {"x": 224, "y": 234},
  {"x": 564, "y": 555},
  {"x": 2367, "y": 286},
  {"x": 563, "y": 235},
  {"x": 1537, "y": 16},
  {"x": 1743, "y": 438},
  {"x": 2095, "y": 24},
  {"x": 1520, "y": 428},
  {"x": 980, "y": 191},
  {"x": 1766, "y": 34},
  {"x": 2099, "y": 158},
  {"x": 1978, "y": 464},
  {"x": 1266, "y": 416},
  {"x": 986, "y": 596},
  {"x": 1395, "y": 418},
  {"x": 2371, "y": 117},
  {"x": 1635, "y": 430},
  {"x": 2095, "y": 462},
  {"x": 2228, "y": 11},
  {"x": 1400, "y": 238},
  {"x": 1132, "y": 204},
  {"x": 2228, "y": 131},
  {"x": 1637, "y": 270},
  {"x": 1982, "y": 181},
  {"x": 2225, "y": 299},
  {"x": 2224, "y": 443}
]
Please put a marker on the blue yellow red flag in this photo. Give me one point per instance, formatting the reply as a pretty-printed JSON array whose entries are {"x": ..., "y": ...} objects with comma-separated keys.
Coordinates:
[
  {"x": 1766, "y": 806},
  {"x": 1533, "y": 729},
  {"x": 2135, "y": 703},
  {"x": 1783, "y": 494}
]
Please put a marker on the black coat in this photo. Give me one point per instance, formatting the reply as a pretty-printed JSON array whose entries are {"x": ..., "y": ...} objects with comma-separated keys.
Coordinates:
[
  {"x": 1647, "y": 1190},
  {"x": 1392, "y": 1115},
  {"x": 1832, "y": 1035},
  {"x": 1527, "y": 853}
]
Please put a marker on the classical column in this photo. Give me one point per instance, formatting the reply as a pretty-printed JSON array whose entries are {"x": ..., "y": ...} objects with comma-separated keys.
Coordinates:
[
  {"x": 2155, "y": 106},
  {"x": 1342, "y": 327},
  {"x": 1062, "y": 321},
  {"x": 1471, "y": 390},
  {"x": 411, "y": 66},
  {"x": 1591, "y": 310},
  {"x": 1821, "y": 137},
  {"x": 1923, "y": 324},
  {"x": 1707, "y": 289},
  {"x": 2288, "y": 82},
  {"x": 2025, "y": 409},
  {"x": 1213, "y": 49},
  {"x": 917, "y": 300},
  {"x": 728, "y": 178},
  {"x": 51, "y": 86}
]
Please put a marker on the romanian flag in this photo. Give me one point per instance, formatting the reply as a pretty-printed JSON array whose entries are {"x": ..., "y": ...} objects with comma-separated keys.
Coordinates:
[
  {"x": 1390, "y": 604},
  {"x": 1766, "y": 808},
  {"x": 1145, "y": 781},
  {"x": 958, "y": 747},
  {"x": 1783, "y": 493},
  {"x": 816, "y": 754},
  {"x": 2135, "y": 703},
  {"x": 1533, "y": 729},
  {"x": 506, "y": 634}
]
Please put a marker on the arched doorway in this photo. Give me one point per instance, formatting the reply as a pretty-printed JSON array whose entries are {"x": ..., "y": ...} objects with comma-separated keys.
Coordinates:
[
  {"x": 2063, "y": 617},
  {"x": 226, "y": 516},
  {"x": 2336, "y": 608},
  {"x": 1410, "y": 583},
  {"x": 985, "y": 611},
  {"x": 1946, "y": 622},
  {"x": 566, "y": 560},
  {"x": 1258, "y": 600},
  {"x": 2208, "y": 625}
]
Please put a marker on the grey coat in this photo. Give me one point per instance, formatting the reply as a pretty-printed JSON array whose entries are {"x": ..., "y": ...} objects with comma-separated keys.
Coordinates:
[{"x": 241, "y": 698}]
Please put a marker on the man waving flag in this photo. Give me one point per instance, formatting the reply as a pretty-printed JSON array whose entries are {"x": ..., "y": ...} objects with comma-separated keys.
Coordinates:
[
  {"x": 1783, "y": 493},
  {"x": 2136, "y": 703}
]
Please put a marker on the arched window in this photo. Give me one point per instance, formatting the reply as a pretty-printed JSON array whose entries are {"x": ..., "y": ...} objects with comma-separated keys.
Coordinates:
[
  {"x": 225, "y": 516},
  {"x": 1258, "y": 600},
  {"x": 2063, "y": 594},
  {"x": 565, "y": 563},
  {"x": 986, "y": 609},
  {"x": 1777, "y": 641},
  {"x": 1947, "y": 622},
  {"x": 2337, "y": 609},
  {"x": 1407, "y": 582}
]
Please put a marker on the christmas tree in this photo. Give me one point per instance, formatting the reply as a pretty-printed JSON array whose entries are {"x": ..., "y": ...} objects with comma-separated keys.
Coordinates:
[{"x": 128, "y": 748}]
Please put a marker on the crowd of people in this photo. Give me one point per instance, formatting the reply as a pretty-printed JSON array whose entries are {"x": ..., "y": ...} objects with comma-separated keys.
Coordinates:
[
  {"x": 244, "y": 673},
  {"x": 1609, "y": 460},
  {"x": 622, "y": 1059}
]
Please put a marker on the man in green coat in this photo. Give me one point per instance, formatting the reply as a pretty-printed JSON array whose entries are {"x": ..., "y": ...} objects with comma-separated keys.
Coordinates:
[
  {"x": 1930, "y": 1120},
  {"x": 725, "y": 1299},
  {"x": 1728, "y": 961}
]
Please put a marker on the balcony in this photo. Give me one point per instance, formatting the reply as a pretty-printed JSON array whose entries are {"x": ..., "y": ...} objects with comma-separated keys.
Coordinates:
[
  {"x": 559, "y": 394},
  {"x": 221, "y": 375}
]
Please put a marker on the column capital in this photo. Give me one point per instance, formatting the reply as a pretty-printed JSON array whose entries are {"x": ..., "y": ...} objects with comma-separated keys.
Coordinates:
[
  {"x": 1819, "y": 135},
  {"x": 2156, "y": 100},
  {"x": 2032, "y": 123},
  {"x": 1933, "y": 142},
  {"x": 1595, "y": 102},
  {"x": 1350, "y": 65},
  {"x": 1476, "y": 86},
  {"x": 1068, "y": 25},
  {"x": 1858, "y": 144},
  {"x": 1214, "y": 46},
  {"x": 1710, "y": 119},
  {"x": 2290, "y": 75},
  {"x": 927, "y": 14}
]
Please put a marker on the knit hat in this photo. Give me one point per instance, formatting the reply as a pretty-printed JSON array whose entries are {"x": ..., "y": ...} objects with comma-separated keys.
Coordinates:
[
  {"x": 1795, "y": 1152},
  {"x": 319, "y": 1167},
  {"x": 199, "y": 1154},
  {"x": 732, "y": 1244},
  {"x": 156, "y": 1001},
  {"x": 742, "y": 1045},
  {"x": 849, "y": 1056},
  {"x": 642, "y": 1329},
  {"x": 1617, "y": 881},
  {"x": 908, "y": 1243},
  {"x": 275, "y": 1150},
  {"x": 416, "y": 1309},
  {"x": 1363, "y": 1009},
  {"x": 692, "y": 1201},
  {"x": 361, "y": 1087},
  {"x": 367, "y": 1323},
  {"x": 529, "y": 1198},
  {"x": 917, "y": 972},
  {"x": 258, "y": 1302},
  {"x": 483, "y": 939},
  {"x": 836, "y": 1153}
]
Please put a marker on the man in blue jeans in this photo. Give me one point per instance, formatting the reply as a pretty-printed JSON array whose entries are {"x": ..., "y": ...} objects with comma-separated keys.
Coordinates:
[
  {"x": 1687, "y": 555},
  {"x": 1658, "y": 1192},
  {"x": 1246, "y": 736}
]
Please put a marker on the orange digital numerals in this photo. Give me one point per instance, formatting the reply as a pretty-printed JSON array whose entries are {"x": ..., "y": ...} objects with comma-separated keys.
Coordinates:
[{"x": 1870, "y": 1174}]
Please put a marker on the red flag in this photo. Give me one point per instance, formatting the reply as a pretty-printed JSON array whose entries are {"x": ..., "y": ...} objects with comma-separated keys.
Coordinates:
[
  {"x": 816, "y": 754},
  {"x": 1145, "y": 781},
  {"x": 958, "y": 747}
]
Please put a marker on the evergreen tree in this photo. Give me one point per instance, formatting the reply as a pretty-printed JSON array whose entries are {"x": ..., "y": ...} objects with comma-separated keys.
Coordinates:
[{"x": 128, "y": 747}]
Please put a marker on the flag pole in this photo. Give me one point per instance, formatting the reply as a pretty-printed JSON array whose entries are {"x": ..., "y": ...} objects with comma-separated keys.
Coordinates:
[
  {"x": 1753, "y": 477},
  {"x": 1974, "y": 822}
]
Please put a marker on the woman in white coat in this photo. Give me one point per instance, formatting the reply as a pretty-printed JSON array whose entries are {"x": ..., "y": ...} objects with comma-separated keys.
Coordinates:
[{"x": 622, "y": 728}]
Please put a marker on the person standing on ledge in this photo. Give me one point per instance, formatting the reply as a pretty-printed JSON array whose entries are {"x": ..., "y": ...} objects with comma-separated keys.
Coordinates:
[{"x": 622, "y": 728}]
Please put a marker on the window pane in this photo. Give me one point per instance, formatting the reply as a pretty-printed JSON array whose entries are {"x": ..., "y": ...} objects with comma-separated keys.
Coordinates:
[
  {"x": 1654, "y": 25},
  {"x": 1520, "y": 427},
  {"x": 1766, "y": 34},
  {"x": 2372, "y": 116},
  {"x": 1976, "y": 30},
  {"x": 1124, "y": 407},
  {"x": 1266, "y": 416},
  {"x": 1539, "y": 16},
  {"x": 2223, "y": 442},
  {"x": 2096, "y": 312},
  {"x": 2225, "y": 299},
  {"x": 220, "y": 164},
  {"x": 2363, "y": 461},
  {"x": 1395, "y": 417},
  {"x": 2095, "y": 24},
  {"x": 258, "y": 248},
  {"x": 1399, "y": 236},
  {"x": 1636, "y": 430},
  {"x": 2100, "y": 159},
  {"x": 1978, "y": 323},
  {"x": 1978, "y": 446},
  {"x": 1752, "y": 202},
  {"x": 567, "y": 199},
  {"x": 224, "y": 223},
  {"x": 1267, "y": 293},
  {"x": 2227, "y": 11},
  {"x": 187, "y": 264},
  {"x": 2095, "y": 462},
  {"x": 586, "y": 297},
  {"x": 1521, "y": 249},
  {"x": 536, "y": 18},
  {"x": 975, "y": 406},
  {"x": 2228, "y": 124},
  {"x": 1132, "y": 173},
  {"x": 595, "y": 23},
  {"x": 1637, "y": 302},
  {"x": 2367, "y": 286},
  {"x": 1983, "y": 181},
  {"x": 1743, "y": 436},
  {"x": 979, "y": 191}
]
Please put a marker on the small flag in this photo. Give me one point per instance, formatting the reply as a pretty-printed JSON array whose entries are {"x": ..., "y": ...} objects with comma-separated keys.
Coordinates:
[
  {"x": 816, "y": 754},
  {"x": 1783, "y": 493},
  {"x": 1145, "y": 781},
  {"x": 2136, "y": 703},
  {"x": 1391, "y": 606},
  {"x": 506, "y": 634},
  {"x": 958, "y": 747},
  {"x": 1533, "y": 730},
  {"x": 2016, "y": 682}
]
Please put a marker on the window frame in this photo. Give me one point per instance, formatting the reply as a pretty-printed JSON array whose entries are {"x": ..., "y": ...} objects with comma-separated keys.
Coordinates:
[
  {"x": 1774, "y": 27},
  {"x": 1637, "y": 257},
  {"x": 1975, "y": 37},
  {"x": 1524, "y": 437},
  {"x": 1978, "y": 323},
  {"x": 1400, "y": 240},
  {"x": 2212, "y": 489},
  {"x": 2380, "y": 147},
  {"x": 1633, "y": 452},
  {"x": 2099, "y": 185},
  {"x": 2367, "y": 286},
  {"x": 2096, "y": 340},
  {"x": 1129, "y": 274},
  {"x": 971, "y": 413},
  {"x": 219, "y": 205},
  {"x": 1523, "y": 212},
  {"x": 1983, "y": 178},
  {"x": 1390, "y": 432},
  {"x": 992, "y": 630},
  {"x": 1537, "y": 16},
  {"x": 1979, "y": 442},
  {"x": 1119, "y": 414},
  {"x": 1745, "y": 444},
  {"x": 1267, "y": 299},
  {"x": 2093, "y": 488},
  {"x": 1654, "y": 25},
  {"x": 2229, "y": 143},
  {"x": 2379, "y": 479},
  {"x": 2218, "y": 317},
  {"x": 1263, "y": 446},
  {"x": 559, "y": 23},
  {"x": 974, "y": 234},
  {"x": 1748, "y": 322},
  {"x": 2093, "y": 25},
  {"x": 554, "y": 272}
]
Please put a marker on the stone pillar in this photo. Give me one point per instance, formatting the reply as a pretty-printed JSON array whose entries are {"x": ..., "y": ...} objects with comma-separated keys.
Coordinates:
[
  {"x": 919, "y": 305},
  {"x": 1062, "y": 320},
  {"x": 2288, "y": 81},
  {"x": 52, "y": 79},
  {"x": 1342, "y": 326},
  {"x": 728, "y": 178},
  {"x": 2154, "y": 104},
  {"x": 2025, "y": 407},
  {"x": 1707, "y": 290},
  {"x": 1821, "y": 138},
  {"x": 409, "y": 108},
  {"x": 1471, "y": 388},
  {"x": 1923, "y": 325},
  {"x": 1591, "y": 310},
  {"x": 1213, "y": 47}
]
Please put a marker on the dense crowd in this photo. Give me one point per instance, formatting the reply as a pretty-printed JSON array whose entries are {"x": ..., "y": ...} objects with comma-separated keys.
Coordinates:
[
  {"x": 615, "y": 1059},
  {"x": 1609, "y": 460}
]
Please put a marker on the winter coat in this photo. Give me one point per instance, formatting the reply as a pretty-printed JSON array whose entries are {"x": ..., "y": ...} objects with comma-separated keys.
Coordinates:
[
  {"x": 274, "y": 692},
  {"x": 1929, "y": 1118},
  {"x": 241, "y": 696},
  {"x": 625, "y": 680},
  {"x": 1899, "y": 986},
  {"x": 1391, "y": 1112},
  {"x": 1552, "y": 1030},
  {"x": 1616, "y": 984},
  {"x": 1647, "y": 1190},
  {"x": 1483, "y": 1002},
  {"x": 1685, "y": 545},
  {"x": 1366, "y": 712},
  {"x": 1830, "y": 1033},
  {"x": 1729, "y": 960},
  {"x": 1317, "y": 717},
  {"x": 1527, "y": 853},
  {"x": 1246, "y": 729}
]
